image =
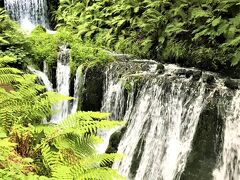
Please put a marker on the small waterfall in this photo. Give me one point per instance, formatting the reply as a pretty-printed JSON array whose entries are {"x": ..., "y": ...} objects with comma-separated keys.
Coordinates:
[
  {"x": 229, "y": 166},
  {"x": 43, "y": 78},
  {"x": 63, "y": 82},
  {"x": 113, "y": 102},
  {"x": 78, "y": 84},
  {"x": 45, "y": 67},
  {"x": 28, "y": 13},
  {"x": 113, "y": 98}
]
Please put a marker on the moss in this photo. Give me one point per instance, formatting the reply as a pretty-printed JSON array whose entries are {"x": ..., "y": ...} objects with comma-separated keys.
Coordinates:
[
  {"x": 44, "y": 46},
  {"x": 128, "y": 86}
]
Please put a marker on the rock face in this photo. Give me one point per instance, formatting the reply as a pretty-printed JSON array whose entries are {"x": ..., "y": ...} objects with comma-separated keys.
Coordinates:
[
  {"x": 93, "y": 88},
  {"x": 114, "y": 141},
  {"x": 1, "y": 3},
  {"x": 232, "y": 84},
  {"x": 53, "y": 6}
]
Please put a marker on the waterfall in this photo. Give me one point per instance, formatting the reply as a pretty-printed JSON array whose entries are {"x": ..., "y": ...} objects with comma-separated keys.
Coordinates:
[
  {"x": 78, "y": 84},
  {"x": 162, "y": 114},
  {"x": 28, "y": 13},
  {"x": 113, "y": 98},
  {"x": 63, "y": 82},
  {"x": 113, "y": 102},
  {"x": 229, "y": 166},
  {"x": 43, "y": 78}
]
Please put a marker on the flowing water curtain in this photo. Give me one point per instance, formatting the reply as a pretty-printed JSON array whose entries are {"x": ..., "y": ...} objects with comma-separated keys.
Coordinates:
[
  {"x": 229, "y": 165},
  {"x": 78, "y": 87},
  {"x": 113, "y": 98},
  {"x": 161, "y": 127},
  {"x": 28, "y": 13},
  {"x": 43, "y": 78},
  {"x": 63, "y": 82}
]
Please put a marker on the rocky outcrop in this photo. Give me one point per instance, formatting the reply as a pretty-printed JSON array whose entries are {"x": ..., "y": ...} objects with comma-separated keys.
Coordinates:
[
  {"x": 1, "y": 3},
  {"x": 93, "y": 88}
]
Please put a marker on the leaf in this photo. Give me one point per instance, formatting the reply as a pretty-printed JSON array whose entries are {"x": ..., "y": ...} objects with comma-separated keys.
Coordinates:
[
  {"x": 236, "y": 58},
  {"x": 216, "y": 22},
  {"x": 199, "y": 13}
]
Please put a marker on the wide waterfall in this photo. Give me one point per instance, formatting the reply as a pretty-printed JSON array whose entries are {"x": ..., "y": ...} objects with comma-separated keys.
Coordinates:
[
  {"x": 162, "y": 114},
  {"x": 28, "y": 13},
  {"x": 229, "y": 166},
  {"x": 63, "y": 82}
]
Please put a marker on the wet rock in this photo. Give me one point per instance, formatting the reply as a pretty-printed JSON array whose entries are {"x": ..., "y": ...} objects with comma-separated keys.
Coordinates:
[
  {"x": 115, "y": 140},
  {"x": 196, "y": 75},
  {"x": 1, "y": 3},
  {"x": 209, "y": 79},
  {"x": 181, "y": 72},
  {"x": 93, "y": 93},
  {"x": 145, "y": 67},
  {"x": 231, "y": 84},
  {"x": 160, "y": 68}
]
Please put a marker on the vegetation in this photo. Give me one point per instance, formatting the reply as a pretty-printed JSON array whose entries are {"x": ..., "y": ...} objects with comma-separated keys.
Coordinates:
[
  {"x": 200, "y": 33},
  {"x": 33, "y": 150}
]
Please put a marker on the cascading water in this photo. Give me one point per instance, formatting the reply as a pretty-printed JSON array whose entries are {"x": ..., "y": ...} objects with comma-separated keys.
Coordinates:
[
  {"x": 43, "y": 77},
  {"x": 63, "y": 82},
  {"x": 28, "y": 13},
  {"x": 113, "y": 102},
  {"x": 162, "y": 118},
  {"x": 78, "y": 84},
  {"x": 229, "y": 166},
  {"x": 113, "y": 98}
]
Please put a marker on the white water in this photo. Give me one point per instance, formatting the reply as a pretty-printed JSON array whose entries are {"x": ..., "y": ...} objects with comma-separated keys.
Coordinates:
[
  {"x": 63, "y": 82},
  {"x": 229, "y": 167},
  {"x": 43, "y": 77},
  {"x": 166, "y": 119},
  {"x": 113, "y": 98},
  {"x": 78, "y": 84},
  {"x": 28, "y": 13},
  {"x": 113, "y": 102},
  {"x": 162, "y": 120}
]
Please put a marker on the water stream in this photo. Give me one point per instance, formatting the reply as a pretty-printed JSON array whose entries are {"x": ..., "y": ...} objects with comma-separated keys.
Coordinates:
[
  {"x": 63, "y": 82},
  {"x": 78, "y": 85},
  {"x": 229, "y": 166},
  {"x": 43, "y": 78}
]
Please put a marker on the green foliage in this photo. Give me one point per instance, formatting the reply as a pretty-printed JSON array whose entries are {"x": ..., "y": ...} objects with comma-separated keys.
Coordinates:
[
  {"x": 9, "y": 31},
  {"x": 43, "y": 46},
  {"x": 32, "y": 150},
  {"x": 167, "y": 30}
]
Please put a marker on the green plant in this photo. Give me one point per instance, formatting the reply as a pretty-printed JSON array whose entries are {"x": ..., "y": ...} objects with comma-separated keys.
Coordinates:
[
  {"x": 33, "y": 150},
  {"x": 166, "y": 30}
]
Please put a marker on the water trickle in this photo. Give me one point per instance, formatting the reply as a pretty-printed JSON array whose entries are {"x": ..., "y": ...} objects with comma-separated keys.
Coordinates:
[
  {"x": 78, "y": 84},
  {"x": 63, "y": 82},
  {"x": 229, "y": 166},
  {"x": 28, "y": 13},
  {"x": 43, "y": 78}
]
